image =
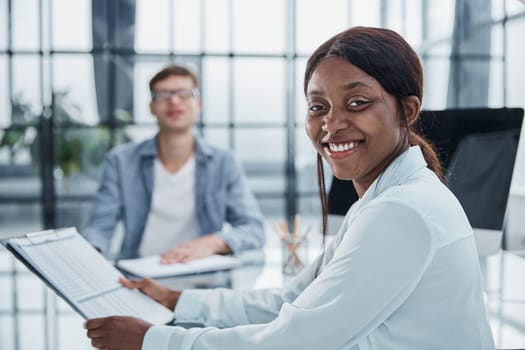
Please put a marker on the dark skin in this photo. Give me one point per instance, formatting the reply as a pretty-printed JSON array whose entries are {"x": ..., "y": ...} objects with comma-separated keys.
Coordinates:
[
  {"x": 351, "y": 112},
  {"x": 124, "y": 332}
]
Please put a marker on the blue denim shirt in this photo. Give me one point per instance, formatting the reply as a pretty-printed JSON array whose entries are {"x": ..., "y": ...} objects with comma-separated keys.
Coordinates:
[{"x": 221, "y": 195}]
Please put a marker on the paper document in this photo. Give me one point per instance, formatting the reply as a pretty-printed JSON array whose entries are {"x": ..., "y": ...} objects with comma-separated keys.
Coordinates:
[
  {"x": 79, "y": 274},
  {"x": 151, "y": 267}
]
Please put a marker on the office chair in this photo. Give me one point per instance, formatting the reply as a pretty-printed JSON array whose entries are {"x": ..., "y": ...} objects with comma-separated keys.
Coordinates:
[
  {"x": 481, "y": 169},
  {"x": 341, "y": 196}
]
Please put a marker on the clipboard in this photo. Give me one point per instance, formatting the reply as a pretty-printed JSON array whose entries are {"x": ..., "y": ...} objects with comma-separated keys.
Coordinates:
[{"x": 82, "y": 277}]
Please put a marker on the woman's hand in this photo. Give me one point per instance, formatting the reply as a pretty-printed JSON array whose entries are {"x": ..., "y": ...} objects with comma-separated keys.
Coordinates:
[
  {"x": 155, "y": 290},
  {"x": 117, "y": 332}
]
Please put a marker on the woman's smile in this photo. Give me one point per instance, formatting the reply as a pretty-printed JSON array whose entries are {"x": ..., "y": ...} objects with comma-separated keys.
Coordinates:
[{"x": 341, "y": 149}]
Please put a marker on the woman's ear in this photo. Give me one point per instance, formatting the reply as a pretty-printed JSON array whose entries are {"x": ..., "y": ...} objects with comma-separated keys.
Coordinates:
[{"x": 412, "y": 108}]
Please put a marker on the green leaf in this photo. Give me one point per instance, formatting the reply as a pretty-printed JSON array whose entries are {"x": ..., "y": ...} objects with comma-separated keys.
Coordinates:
[{"x": 11, "y": 137}]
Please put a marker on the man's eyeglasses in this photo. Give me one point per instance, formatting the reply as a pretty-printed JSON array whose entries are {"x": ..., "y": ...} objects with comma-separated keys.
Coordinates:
[{"x": 166, "y": 95}]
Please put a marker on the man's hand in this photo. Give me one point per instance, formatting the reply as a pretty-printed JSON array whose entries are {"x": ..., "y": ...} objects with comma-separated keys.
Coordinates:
[
  {"x": 197, "y": 248},
  {"x": 117, "y": 332},
  {"x": 154, "y": 290}
]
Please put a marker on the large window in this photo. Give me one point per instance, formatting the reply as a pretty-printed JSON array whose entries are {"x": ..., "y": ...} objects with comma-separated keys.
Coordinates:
[
  {"x": 74, "y": 83},
  {"x": 79, "y": 73}
]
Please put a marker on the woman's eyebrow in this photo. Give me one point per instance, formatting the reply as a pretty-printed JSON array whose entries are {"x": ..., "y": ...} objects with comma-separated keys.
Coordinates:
[
  {"x": 314, "y": 93},
  {"x": 356, "y": 84},
  {"x": 346, "y": 87}
]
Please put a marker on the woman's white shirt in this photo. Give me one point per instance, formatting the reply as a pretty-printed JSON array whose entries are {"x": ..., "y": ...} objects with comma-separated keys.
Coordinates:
[{"x": 401, "y": 274}]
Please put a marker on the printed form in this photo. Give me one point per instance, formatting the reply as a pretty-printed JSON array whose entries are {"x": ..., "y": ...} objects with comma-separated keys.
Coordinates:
[{"x": 83, "y": 277}]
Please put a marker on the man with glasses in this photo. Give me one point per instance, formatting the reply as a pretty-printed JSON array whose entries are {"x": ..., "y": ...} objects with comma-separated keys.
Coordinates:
[{"x": 174, "y": 192}]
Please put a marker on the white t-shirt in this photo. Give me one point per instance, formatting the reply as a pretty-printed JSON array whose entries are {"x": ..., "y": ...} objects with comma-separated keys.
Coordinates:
[
  {"x": 401, "y": 274},
  {"x": 171, "y": 218}
]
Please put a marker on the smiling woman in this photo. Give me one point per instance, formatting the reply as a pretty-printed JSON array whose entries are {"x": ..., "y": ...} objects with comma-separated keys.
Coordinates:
[
  {"x": 376, "y": 100},
  {"x": 402, "y": 273},
  {"x": 355, "y": 126}
]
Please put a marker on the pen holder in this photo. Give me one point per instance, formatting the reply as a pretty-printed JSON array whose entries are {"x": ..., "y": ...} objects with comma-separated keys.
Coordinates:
[{"x": 295, "y": 255}]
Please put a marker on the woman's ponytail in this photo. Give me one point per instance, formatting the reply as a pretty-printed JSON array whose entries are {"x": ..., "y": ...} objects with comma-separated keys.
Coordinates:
[{"x": 429, "y": 152}]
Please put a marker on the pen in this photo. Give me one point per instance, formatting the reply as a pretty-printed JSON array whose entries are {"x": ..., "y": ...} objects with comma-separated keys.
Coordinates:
[
  {"x": 284, "y": 228},
  {"x": 295, "y": 227}
]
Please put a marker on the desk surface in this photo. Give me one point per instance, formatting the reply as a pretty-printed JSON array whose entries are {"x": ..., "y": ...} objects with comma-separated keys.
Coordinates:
[{"x": 260, "y": 269}]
